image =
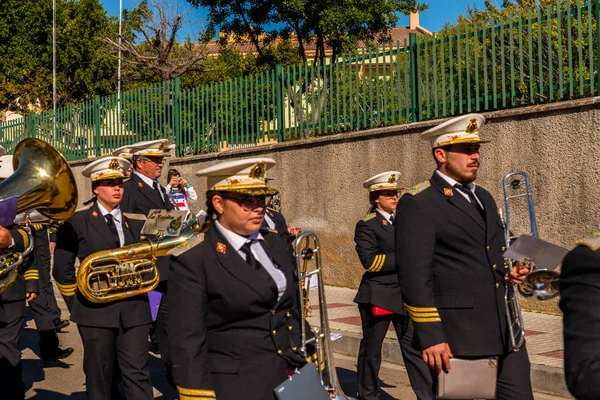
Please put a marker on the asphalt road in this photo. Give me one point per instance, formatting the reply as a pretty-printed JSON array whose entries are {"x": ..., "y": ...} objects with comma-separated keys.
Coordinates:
[{"x": 65, "y": 379}]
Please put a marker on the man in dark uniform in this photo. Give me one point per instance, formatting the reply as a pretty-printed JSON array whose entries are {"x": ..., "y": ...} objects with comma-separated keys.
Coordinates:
[
  {"x": 114, "y": 334},
  {"x": 579, "y": 300},
  {"x": 44, "y": 308},
  {"x": 143, "y": 192},
  {"x": 12, "y": 313},
  {"x": 449, "y": 245}
]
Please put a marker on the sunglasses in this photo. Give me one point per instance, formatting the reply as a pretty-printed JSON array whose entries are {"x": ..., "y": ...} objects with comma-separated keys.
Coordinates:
[
  {"x": 389, "y": 193},
  {"x": 155, "y": 159},
  {"x": 249, "y": 202}
]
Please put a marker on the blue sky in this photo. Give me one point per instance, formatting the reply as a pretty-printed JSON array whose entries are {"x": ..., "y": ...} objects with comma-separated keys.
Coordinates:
[{"x": 439, "y": 13}]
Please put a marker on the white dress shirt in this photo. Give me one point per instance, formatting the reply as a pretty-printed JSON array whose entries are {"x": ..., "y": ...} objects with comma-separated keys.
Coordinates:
[
  {"x": 237, "y": 241},
  {"x": 150, "y": 183},
  {"x": 470, "y": 186},
  {"x": 385, "y": 215},
  {"x": 117, "y": 218}
]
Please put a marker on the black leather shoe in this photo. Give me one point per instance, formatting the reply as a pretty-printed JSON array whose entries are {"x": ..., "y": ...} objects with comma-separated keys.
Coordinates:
[
  {"x": 60, "y": 324},
  {"x": 58, "y": 355}
]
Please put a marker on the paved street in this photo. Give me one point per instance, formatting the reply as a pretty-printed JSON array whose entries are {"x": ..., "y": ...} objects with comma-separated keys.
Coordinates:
[{"x": 65, "y": 380}]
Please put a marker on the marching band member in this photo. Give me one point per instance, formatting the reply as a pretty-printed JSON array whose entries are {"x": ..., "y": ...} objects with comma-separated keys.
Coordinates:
[
  {"x": 127, "y": 153},
  {"x": 449, "y": 245},
  {"x": 379, "y": 296},
  {"x": 12, "y": 310},
  {"x": 234, "y": 313},
  {"x": 44, "y": 308},
  {"x": 115, "y": 332},
  {"x": 579, "y": 299},
  {"x": 143, "y": 192}
]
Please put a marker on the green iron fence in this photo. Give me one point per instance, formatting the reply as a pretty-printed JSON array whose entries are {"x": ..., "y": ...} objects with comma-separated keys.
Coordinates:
[{"x": 546, "y": 55}]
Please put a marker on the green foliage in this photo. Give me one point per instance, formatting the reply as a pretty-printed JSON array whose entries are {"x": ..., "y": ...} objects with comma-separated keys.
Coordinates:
[
  {"x": 338, "y": 25},
  {"x": 84, "y": 67}
]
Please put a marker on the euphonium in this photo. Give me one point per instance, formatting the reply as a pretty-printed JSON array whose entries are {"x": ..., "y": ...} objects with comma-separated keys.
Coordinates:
[
  {"x": 42, "y": 180},
  {"x": 117, "y": 274}
]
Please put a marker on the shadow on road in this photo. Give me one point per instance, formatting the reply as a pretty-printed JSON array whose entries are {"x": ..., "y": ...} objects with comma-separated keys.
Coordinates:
[
  {"x": 347, "y": 379},
  {"x": 43, "y": 394}
]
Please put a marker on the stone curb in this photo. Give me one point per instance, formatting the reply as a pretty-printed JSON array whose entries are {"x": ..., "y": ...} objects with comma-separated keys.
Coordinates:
[{"x": 544, "y": 379}]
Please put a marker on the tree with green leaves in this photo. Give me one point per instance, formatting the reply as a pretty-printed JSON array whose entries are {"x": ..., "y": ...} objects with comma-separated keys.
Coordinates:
[
  {"x": 84, "y": 67},
  {"x": 335, "y": 25}
]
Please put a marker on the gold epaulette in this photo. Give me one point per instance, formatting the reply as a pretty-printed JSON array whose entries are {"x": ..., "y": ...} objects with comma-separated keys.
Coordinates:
[
  {"x": 272, "y": 230},
  {"x": 593, "y": 242},
  {"x": 193, "y": 242},
  {"x": 418, "y": 188},
  {"x": 84, "y": 207},
  {"x": 195, "y": 394},
  {"x": 139, "y": 217},
  {"x": 368, "y": 217}
]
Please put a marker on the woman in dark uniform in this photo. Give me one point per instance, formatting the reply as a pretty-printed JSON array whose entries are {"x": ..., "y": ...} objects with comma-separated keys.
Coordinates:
[
  {"x": 113, "y": 334},
  {"x": 233, "y": 300},
  {"x": 379, "y": 298}
]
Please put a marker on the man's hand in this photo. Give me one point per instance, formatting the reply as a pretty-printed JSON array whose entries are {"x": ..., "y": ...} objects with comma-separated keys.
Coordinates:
[
  {"x": 52, "y": 247},
  {"x": 438, "y": 357},
  {"x": 30, "y": 296},
  {"x": 518, "y": 273},
  {"x": 294, "y": 231},
  {"x": 5, "y": 238}
]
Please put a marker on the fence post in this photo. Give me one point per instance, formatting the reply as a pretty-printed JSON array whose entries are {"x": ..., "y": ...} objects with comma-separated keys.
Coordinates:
[
  {"x": 597, "y": 4},
  {"x": 414, "y": 74},
  {"x": 179, "y": 146},
  {"x": 97, "y": 144},
  {"x": 279, "y": 102},
  {"x": 32, "y": 125}
]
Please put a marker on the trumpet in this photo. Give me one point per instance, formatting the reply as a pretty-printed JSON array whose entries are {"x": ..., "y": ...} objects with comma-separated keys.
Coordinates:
[
  {"x": 111, "y": 275},
  {"x": 42, "y": 180},
  {"x": 307, "y": 250}
]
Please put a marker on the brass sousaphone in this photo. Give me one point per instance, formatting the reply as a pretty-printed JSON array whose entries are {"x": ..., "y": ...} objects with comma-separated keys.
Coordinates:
[{"x": 43, "y": 181}]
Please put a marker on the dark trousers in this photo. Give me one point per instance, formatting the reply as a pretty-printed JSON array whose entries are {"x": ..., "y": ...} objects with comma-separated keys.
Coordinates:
[
  {"x": 103, "y": 347},
  {"x": 369, "y": 355},
  {"x": 514, "y": 376},
  {"x": 161, "y": 324},
  {"x": 12, "y": 319},
  {"x": 44, "y": 308}
]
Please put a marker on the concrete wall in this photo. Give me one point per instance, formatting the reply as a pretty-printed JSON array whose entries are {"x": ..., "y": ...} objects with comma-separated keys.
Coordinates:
[{"x": 321, "y": 179}]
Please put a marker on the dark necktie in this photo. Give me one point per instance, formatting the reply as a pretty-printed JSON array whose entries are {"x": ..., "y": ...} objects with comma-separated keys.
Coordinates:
[
  {"x": 392, "y": 219},
  {"x": 156, "y": 187},
  {"x": 113, "y": 229},
  {"x": 256, "y": 266},
  {"x": 472, "y": 199}
]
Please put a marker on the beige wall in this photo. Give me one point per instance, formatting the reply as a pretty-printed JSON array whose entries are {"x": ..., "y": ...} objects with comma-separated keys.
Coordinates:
[{"x": 321, "y": 179}]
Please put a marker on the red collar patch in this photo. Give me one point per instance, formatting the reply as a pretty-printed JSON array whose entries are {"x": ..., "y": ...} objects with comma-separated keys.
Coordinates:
[
  {"x": 221, "y": 248},
  {"x": 384, "y": 221},
  {"x": 140, "y": 184},
  {"x": 448, "y": 192},
  {"x": 94, "y": 214}
]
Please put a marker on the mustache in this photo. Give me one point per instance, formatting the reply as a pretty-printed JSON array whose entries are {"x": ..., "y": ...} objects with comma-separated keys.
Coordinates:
[{"x": 473, "y": 164}]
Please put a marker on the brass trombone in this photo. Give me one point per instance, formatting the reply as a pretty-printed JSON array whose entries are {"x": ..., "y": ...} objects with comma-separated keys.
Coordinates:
[
  {"x": 515, "y": 184},
  {"x": 307, "y": 250}
]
